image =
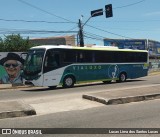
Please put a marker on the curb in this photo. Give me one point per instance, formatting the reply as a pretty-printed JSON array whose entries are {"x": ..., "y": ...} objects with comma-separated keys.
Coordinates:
[
  {"x": 15, "y": 109},
  {"x": 153, "y": 73},
  {"x": 123, "y": 100},
  {"x": 15, "y": 87},
  {"x": 5, "y": 86}
]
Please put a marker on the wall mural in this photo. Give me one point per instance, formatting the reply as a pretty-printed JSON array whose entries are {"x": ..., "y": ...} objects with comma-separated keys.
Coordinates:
[{"x": 11, "y": 65}]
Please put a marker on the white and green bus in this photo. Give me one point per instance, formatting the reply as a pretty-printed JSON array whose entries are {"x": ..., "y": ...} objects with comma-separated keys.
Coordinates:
[{"x": 52, "y": 65}]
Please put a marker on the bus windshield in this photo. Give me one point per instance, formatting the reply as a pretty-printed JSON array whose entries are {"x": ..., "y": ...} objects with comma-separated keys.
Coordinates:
[{"x": 33, "y": 63}]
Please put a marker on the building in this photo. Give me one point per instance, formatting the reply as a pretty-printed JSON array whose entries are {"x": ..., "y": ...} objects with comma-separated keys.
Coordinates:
[
  {"x": 143, "y": 44},
  {"x": 63, "y": 40}
]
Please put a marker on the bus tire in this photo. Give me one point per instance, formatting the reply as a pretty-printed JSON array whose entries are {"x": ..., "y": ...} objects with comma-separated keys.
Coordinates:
[
  {"x": 68, "y": 82},
  {"x": 122, "y": 77}
]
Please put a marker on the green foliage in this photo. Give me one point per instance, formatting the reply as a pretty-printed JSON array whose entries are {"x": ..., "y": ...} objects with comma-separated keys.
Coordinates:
[{"x": 14, "y": 43}]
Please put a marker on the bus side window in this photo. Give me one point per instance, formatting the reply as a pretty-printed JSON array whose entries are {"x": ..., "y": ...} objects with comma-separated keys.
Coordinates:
[
  {"x": 57, "y": 60},
  {"x": 81, "y": 57},
  {"x": 51, "y": 61},
  {"x": 85, "y": 57},
  {"x": 69, "y": 56}
]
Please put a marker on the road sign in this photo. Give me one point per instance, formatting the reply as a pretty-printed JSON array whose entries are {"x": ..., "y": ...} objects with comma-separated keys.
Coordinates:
[{"x": 98, "y": 12}]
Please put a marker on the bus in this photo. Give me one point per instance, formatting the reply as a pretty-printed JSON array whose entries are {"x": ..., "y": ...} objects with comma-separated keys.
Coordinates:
[{"x": 52, "y": 65}]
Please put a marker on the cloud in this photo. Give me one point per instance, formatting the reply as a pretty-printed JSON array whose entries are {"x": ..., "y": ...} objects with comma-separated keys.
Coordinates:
[{"x": 156, "y": 13}]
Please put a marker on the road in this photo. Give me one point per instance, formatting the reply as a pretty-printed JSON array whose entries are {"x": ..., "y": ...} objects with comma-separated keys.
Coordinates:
[
  {"x": 133, "y": 115},
  {"x": 69, "y": 110}
]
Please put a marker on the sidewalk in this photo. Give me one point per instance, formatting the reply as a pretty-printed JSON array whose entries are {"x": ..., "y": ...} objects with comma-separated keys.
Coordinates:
[
  {"x": 5, "y": 86},
  {"x": 11, "y": 109}
]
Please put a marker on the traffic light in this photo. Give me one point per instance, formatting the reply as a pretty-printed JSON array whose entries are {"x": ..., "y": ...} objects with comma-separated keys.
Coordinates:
[{"x": 108, "y": 10}]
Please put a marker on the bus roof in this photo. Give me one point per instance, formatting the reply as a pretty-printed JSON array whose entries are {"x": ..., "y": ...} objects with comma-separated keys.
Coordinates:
[{"x": 94, "y": 47}]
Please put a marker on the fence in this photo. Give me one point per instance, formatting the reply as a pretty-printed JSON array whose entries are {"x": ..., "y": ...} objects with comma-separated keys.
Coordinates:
[{"x": 154, "y": 65}]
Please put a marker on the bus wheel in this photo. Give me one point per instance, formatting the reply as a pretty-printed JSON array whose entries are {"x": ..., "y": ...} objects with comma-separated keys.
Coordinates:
[
  {"x": 68, "y": 82},
  {"x": 122, "y": 77}
]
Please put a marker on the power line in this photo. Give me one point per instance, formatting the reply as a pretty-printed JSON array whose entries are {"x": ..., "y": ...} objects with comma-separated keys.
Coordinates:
[
  {"x": 134, "y": 29},
  {"x": 94, "y": 35},
  {"x": 31, "y": 21},
  {"x": 42, "y": 21},
  {"x": 44, "y": 11},
  {"x": 109, "y": 32},
  {"x": 69, "y": 30},
  {"x": 6, "y": 31},
  {"x": 130, "y": 4},
  {"x": 93, "y": 38},
  {"x": 118, "y": 21}
]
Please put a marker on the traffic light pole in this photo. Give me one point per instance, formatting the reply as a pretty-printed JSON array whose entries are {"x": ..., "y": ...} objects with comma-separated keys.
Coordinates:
[
  {"x": 109, "y": 13},
  {"x": 81, "y": 39}
]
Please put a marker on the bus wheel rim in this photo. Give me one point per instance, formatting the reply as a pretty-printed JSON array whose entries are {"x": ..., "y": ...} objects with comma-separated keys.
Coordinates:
[
  {"x": 123, "y": 77},
  {"x": 69, "y": 81}
]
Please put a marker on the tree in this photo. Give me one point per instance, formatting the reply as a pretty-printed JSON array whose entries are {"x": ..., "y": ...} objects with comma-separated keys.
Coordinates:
[
  {"x": 14, "y": 43},
  {"x": 1, "y": 44}
]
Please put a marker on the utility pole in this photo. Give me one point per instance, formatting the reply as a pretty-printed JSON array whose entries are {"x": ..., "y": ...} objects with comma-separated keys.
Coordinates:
[{"x": 81, "y": 40}]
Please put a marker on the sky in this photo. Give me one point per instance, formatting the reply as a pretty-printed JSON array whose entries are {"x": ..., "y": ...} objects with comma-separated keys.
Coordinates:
[{"x": 133, "y": 19}]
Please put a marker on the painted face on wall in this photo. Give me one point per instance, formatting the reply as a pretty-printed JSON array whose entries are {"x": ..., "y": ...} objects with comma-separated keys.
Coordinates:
[{"x": 12, "y": 67}]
